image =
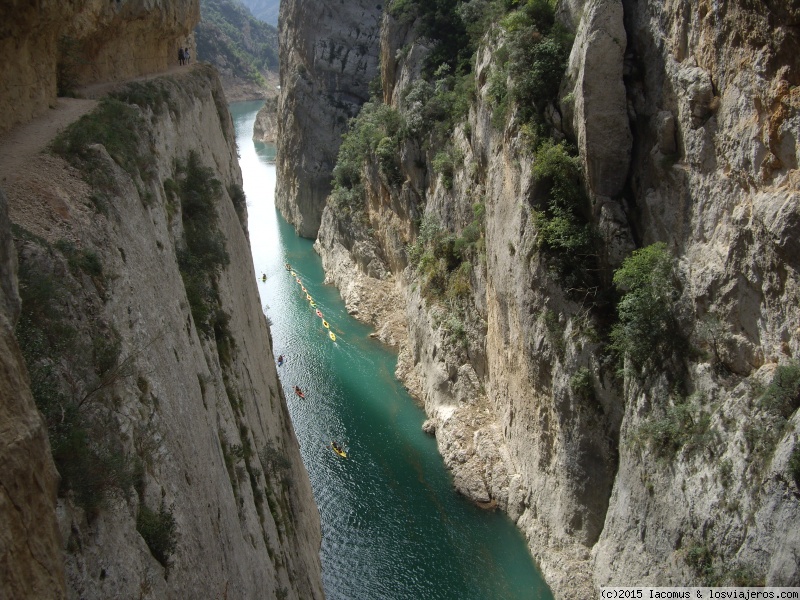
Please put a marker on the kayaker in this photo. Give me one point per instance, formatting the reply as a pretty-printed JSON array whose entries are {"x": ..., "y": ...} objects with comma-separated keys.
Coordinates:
[
  {"x": 280, "y": 360},
  {"x": 298, "y": 391}
]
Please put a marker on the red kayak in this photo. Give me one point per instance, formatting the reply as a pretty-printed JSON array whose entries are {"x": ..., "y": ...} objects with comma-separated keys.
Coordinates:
[
  {"x": 299, "y": 392},
  {"x": 319, "y": 314}
]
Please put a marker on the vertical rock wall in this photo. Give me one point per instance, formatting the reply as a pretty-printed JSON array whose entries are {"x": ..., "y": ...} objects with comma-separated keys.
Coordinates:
[
  {"x": 685, "y": 116},
  {"x": 30, "y": 546},
  {"x": 200, "y": 410},
  {"x": 329, "y": 55}
]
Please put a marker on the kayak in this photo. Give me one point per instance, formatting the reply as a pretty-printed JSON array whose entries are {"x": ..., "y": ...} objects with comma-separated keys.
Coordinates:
[
  {"x": 325, "y": 324},
  {"x": 309, "y": 298},
  {"x": 288, "y": 267},
  {"x": 319, "y": 314},
  {"x": 299, "y": 393},
  {"x": 332, "y": 335},
  {"x": 302, "y": 287},
  {"x": 338, "y": 450},
  {"x": 280, "y": 362},
  {"x": 313, "y": 304},
  {"x": 263, "y": 278}
]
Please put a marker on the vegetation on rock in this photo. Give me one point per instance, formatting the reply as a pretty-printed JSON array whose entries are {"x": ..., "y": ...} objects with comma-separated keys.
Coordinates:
[
  {"x": 647, "y": 333},
  {"x": 233, "y": 40}
]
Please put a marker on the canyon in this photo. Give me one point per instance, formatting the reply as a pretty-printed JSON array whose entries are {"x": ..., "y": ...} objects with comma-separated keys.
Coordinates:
[
  {"x": 159, "y": 459},
  {"x": 676, "y": 464}
]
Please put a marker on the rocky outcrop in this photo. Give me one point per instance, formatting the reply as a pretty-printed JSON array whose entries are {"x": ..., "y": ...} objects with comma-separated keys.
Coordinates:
[
  {"x": 329, "y": 55},
  {"x": 53, "y": 48},
  {"x": 30, "y": 547},
  {"x": 597, "y": 98},
  {"x": 716, "y": 178},
  {"x": 265, "y": 129},
  {"x": 685, "y": 118},
  {"x": 206, "y": 494}
]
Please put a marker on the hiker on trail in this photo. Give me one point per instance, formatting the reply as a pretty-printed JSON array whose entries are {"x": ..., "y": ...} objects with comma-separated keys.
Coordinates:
[
  {"x": 181, "y": 56},
  {"x": 186, "y": 55}
]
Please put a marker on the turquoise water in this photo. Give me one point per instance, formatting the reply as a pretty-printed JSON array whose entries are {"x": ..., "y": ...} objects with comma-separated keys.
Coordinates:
[{"x": 392, "y": 525}]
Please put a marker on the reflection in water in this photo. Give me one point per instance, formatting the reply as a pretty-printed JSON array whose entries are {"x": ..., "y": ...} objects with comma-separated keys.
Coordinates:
[{"x": 393, "y": 528}]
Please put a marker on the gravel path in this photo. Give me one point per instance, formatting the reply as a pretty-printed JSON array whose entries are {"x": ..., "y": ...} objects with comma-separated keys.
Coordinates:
[
  {"x": 20, "y": 145},
  {"x": 46, "y": 195}
]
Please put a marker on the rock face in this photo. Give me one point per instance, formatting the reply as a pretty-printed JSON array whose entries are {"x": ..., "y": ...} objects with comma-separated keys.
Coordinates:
[
  {"x": 329, "y": 55},
  {"x": 76, "y": 42},
  {"x": 31, "y": 565},
  {"x": 192, "y": 484},
  {"x": 685, "y": 116},
  {"x": 265, "y": 129}
]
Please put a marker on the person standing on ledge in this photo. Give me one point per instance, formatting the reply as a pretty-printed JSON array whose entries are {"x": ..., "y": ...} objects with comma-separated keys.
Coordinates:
[
  {"x": 181, "y": 56},
  {"x": 186, "y": 55}
]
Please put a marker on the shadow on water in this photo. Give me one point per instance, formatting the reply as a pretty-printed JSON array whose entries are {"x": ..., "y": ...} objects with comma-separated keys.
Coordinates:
[{"x": 393, "y": 527}]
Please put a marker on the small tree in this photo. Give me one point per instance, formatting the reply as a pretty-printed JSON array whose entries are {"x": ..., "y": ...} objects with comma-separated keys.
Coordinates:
[{"x": 647, "y": 331}]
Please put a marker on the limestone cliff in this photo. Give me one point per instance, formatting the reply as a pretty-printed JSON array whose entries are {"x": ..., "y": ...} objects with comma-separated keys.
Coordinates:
[
  {"x": 50, "y": 48},
  {"x": 674, "y": 467},
  {"x": 30, "y": 547},
  {"x": 265, "y": 129},
  {"x": 329, "y": 55},
  {"x": 150, "y": 356}
]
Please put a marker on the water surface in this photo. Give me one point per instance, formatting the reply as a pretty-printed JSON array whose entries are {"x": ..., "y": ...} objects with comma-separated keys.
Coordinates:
[{"x": 393, "y": 527}]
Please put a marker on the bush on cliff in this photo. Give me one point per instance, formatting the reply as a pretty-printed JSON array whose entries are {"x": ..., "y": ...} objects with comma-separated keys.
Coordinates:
[
  {"x": 782, "y": 395},
  {"x": 563, "y": 230},
  {"x": 374, "y": 133},
  {"x": 647, "y": 332},
  {"x": 159, "y": 531},
  {"x": 70, "y": 370},
  {"x": 203, "y": 254},
  {"x": 116, "y": 126},
  {"x": 529, "y": 67}
]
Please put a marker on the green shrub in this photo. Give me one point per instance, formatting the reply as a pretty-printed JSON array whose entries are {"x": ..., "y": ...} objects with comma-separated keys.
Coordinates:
[
  {"x": 374, "y": 132},
  {"x": 647, "y": 332},
  {"x": 116, "y": 126},
  {"x": 683, "y": 426},
  {"x": 794, "y": 465},
  {"x": 782, "y": 395},
  {"x": 581, "y": 383},
  {"x": 85, "y": 260},
  {"x": 699, "y": 557},
  {"x": 146, "y": 94},
  {"x": 444, "y": 164},
  {"x": 204, "y": 253},
  {"x": 64, "y": 376},
  {"x": 239, "y": 201},
  {"x": 562, "y": 223},
  {"x": 159, "y": 531},
  {"x": 69, "y": 61},
  {"x": 538, "y": 48},
  {"x": 439, "y": 21}
]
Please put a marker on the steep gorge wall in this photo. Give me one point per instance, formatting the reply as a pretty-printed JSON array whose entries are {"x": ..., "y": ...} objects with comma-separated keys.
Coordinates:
[
  {"x": 329, "y": 55},
  {"x": 78, "y": 42},
  {"x": 183, "y": 394},
  {"x": 685, "y": 118},
  {"x": 30, "y": 551}
]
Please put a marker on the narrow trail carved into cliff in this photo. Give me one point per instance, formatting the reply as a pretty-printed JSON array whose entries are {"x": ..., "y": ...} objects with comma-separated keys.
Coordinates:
[{"x": 20, "y": 145}]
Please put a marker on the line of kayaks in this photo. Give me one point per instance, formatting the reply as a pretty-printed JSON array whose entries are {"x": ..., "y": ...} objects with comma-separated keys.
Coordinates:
[
  {"x": 311, "y": 302},
  {"x": 335, "y": 446}
]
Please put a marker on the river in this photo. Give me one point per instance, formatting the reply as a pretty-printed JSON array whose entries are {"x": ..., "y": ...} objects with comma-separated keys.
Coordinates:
[{"x": 393, "y": 528}]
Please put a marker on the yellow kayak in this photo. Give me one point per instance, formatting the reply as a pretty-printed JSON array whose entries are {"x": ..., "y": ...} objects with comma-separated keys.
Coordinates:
[
  {"x": 338, "y": 449},
  {"x": 332, "y": 335},
  {"x": 325, "y": 324}
]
